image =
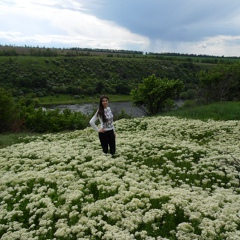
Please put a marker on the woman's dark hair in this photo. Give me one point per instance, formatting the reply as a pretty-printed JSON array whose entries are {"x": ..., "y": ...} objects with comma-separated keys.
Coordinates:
[{"x": 101, "y": 108}]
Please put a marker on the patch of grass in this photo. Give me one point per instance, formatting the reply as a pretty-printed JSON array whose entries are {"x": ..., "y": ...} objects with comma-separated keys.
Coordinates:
[
  {"x": 219, "y": 111},
  {"x": 7, "y": 139},
  {"x": 70, "y": 99}
]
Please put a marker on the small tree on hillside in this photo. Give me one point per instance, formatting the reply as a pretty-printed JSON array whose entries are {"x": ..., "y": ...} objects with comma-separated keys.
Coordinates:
[{"x": 154, "y": 93}]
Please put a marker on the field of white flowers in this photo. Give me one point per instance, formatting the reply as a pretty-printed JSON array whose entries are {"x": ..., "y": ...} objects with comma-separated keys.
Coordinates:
[{"x": 171, "y": 179}]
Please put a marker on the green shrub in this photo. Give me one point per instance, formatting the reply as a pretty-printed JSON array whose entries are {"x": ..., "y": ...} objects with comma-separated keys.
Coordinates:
[{"x": 41, "y": 120}]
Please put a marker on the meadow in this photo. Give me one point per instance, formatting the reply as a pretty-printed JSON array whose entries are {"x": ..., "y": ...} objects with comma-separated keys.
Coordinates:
[{"x": 171, "y": 179}]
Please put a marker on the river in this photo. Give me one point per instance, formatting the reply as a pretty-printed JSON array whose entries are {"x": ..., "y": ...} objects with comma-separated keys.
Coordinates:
[{"x": 116, "y": 107}]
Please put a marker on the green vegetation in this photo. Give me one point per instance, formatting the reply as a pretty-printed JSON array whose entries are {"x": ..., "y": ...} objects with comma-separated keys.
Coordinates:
[
  {"x": 41, "y": 77},
  {"x": 221, "y": 111},
  {"x": 76, "y": 51},
  {"x": 26, "y": 115},
  {"x": 221, "y": 83},
  {"x": 87, "y": 76},
  {"x": 69, "y": 99},
  {"x": 156, "y": 94},
  {"x": 171, "y": 179},
  {"x": 9, "y": 138},
  {"x": 198, "y": 58},
  {"x": 23, "y": 116},
  {"x": 56, "y": 72},
  {"x": 54, "y": 120},
  {"x": 6, "y": 109}
]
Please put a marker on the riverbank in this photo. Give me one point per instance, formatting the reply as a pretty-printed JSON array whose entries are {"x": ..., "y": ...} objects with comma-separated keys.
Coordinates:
[{"x": 65, "y": 99}]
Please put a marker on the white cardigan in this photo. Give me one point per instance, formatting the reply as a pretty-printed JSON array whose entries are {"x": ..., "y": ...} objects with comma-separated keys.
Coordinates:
[{"x": 108, "y": 125}]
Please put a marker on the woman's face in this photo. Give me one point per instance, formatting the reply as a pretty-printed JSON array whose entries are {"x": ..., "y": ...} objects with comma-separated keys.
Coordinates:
[{"x": 105, "y": 102}]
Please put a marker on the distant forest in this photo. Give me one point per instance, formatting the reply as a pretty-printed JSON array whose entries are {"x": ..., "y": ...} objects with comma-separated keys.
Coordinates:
[{"x": 11, "y": 50}]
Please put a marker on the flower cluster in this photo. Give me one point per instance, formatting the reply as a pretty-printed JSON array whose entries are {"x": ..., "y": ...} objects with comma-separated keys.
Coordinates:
[{"x": 171, "y": 179}]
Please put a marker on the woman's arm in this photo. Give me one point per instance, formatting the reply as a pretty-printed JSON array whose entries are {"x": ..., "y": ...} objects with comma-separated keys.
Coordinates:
[{"x": 92, "y": 122}]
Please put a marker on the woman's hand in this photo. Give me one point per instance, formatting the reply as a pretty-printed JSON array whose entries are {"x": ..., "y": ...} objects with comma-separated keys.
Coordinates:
[
  {"x": 114, "y": 134},
  {"x": 101, "y": 130}
]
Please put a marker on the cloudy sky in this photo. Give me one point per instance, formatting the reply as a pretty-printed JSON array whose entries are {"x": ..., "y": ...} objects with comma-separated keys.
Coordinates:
[{"x": 184, "y": 26}]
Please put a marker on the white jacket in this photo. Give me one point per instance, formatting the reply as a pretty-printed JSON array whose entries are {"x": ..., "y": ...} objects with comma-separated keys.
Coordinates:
[{"x": 108, "y": 125}]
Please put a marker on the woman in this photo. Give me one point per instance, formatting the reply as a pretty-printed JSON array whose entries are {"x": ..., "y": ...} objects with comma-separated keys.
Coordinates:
[{"x": 106, "y": 132}]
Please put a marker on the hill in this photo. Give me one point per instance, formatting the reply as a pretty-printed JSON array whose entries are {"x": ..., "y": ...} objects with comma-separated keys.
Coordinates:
[
  {"x": 81, "y": 72},
  {"x": 172, "y": 178},
  {"x": 89, "y": 75}
]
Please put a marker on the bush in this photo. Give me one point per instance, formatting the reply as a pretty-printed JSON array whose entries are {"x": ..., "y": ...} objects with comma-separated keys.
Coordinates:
[
  {"x": 20, "y": 116},
  {"x": 189, "y": 103},
  {"x": 41, "y": 120},
  {"x": 122, "y": 115}
]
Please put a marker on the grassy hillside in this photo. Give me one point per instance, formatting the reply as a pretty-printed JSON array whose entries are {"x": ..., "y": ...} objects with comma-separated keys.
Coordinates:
[
  {"x": 88, "y": 75},
  {"x": 172, "y": 178}
]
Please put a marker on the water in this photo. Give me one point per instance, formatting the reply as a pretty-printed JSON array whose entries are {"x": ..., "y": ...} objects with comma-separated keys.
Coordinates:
[{"x": 116, "y": 107}]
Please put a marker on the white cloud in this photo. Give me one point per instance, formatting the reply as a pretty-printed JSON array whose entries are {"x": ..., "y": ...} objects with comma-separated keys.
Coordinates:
[
  {"x": 226, "y": 45},
  {"x": 216, "y": 45},
  {"x": 54, "y": 22},
  {"x": 202, "y": 45}
]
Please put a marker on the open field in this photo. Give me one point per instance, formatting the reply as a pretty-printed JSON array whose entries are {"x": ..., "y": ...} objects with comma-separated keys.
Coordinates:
[{"x": 171, "y": 178}]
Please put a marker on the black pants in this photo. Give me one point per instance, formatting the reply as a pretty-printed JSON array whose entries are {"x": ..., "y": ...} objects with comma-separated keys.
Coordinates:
[{"x": 108, "y": 139}]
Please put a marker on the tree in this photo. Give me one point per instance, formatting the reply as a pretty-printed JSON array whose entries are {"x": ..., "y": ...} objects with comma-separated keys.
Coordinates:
[
  {"x": 154, "y": 93},
  {"x": 221, "y": 83}
]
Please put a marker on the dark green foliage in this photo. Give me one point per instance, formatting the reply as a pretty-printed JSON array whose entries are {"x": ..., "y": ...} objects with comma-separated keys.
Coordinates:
[
  {"x": 7, "y": 110},
  {"x": 221, "y": 83},
  {"x": 88, "y": 75},
  {"x": 41, "y": 120},
  {"x": 155, "y": 93},
  {"x": 22, "y": 115}
]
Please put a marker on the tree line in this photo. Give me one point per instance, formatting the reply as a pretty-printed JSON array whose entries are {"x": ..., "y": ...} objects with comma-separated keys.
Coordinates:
[{"x": 12, "y": 50}]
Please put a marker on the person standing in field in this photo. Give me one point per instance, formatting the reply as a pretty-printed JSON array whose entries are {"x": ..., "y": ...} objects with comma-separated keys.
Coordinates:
[{"x": 106, "y": 132}]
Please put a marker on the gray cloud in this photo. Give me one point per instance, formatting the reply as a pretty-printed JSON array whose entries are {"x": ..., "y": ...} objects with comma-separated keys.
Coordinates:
[{"x": 185, "y": 20}]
